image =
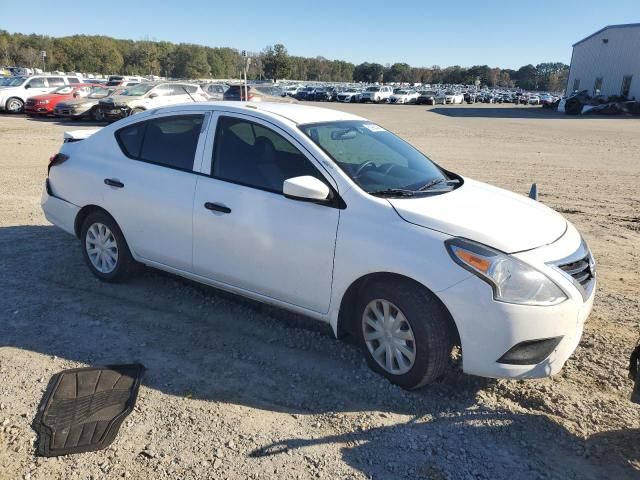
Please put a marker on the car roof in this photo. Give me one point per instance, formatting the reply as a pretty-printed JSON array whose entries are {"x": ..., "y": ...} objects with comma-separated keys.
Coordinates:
[{"x": 298, "y": 114}]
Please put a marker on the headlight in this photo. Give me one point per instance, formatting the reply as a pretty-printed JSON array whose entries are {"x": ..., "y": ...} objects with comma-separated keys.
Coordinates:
[
  {"x": 512, "y": 280},
  {"x": 43, "y": 102}
]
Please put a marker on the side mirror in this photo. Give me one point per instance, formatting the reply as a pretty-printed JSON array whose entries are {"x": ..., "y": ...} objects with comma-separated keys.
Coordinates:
[
  {"x": 153, "y": 95},
  {"x": 305, "y": 188},
  {"x": 27, "y": 86}
]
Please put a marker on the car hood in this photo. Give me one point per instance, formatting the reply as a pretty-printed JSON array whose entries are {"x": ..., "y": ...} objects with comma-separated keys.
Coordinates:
[
  {"x": 52, "y": 96},
  {"x": 120, "y": 99},
  {"x": 495, "y": 217}
]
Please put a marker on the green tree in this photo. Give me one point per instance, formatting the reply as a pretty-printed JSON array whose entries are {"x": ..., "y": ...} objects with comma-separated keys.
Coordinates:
[{"x": 276, "y": 62}]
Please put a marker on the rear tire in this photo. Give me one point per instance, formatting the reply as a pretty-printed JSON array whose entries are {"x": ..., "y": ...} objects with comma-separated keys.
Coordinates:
[
  {"x": 413, "y": 313},
  {"x": 105, "y": 249}
]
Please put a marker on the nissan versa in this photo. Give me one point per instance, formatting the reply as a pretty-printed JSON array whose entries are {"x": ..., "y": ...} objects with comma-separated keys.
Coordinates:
[{"x": 332, "y": 216}]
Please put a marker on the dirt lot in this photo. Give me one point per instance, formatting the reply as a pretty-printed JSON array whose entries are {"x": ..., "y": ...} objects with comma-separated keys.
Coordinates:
[{"x": 238, "y": 390}]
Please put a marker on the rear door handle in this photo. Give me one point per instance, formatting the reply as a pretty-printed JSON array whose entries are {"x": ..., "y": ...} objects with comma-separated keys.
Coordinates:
[
  {"x": 113, "y": 183},
  {"x": 216, "y": 207}
]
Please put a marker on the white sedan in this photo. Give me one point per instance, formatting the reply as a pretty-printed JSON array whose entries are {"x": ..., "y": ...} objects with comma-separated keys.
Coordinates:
[
  {"x": 453, "y": 97},
  {"x": 404, "y": 96},
  {"x": 331, "y": 216}
]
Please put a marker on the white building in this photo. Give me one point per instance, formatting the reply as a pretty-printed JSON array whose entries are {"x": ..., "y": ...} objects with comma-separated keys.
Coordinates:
[{"x": 608, "y": 61}]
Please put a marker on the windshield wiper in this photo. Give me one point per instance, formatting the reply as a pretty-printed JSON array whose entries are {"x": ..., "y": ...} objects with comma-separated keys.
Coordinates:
[
  {"x": 430, "y": 184},
  {"x": 397, "y": 192}
]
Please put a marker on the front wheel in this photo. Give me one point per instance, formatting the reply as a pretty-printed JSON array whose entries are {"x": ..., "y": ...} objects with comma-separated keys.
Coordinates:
[
  {"x": 405, "y": 333},
  {"x": 14, "y": 105},
  {"x": 136, "y": 110},
  {"x": 97, "y": 115},
  {"x": 104, "y": 248}
]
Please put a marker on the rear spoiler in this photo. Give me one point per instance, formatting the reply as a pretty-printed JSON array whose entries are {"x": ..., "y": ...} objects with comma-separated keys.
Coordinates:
[{"x": 77, "y": 135}]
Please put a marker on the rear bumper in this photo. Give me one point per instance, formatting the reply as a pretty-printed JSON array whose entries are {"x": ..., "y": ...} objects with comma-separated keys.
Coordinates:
[{"x": 58, "y": 211}]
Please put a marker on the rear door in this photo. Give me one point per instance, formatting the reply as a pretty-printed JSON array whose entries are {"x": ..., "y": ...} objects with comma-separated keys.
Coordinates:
[{"x": 150, "y": 183}]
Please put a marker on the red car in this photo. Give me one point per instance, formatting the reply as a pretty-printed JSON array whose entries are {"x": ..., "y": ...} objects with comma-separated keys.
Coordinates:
[{"x": 45, "y": 104}]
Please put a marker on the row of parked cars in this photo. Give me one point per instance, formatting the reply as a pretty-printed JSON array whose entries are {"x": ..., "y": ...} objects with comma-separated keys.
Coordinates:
[
  {"x": 413, "y": 95},
  {"x": 111, "y": 99}
]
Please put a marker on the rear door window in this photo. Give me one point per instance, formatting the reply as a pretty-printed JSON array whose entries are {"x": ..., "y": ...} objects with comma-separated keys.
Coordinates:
[
  {"x": 168, "y": 141},
  {"x": 73, "y": 80}
]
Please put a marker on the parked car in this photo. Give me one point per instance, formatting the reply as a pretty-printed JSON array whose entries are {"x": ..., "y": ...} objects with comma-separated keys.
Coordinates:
[
  {"x": 426, "y": 97},
  {"x": 320, "y": 94},
  {"x": 376, "y": 94},
  {"x": 123, "y": 80},
  {"x": 332, "y": 216},
  {"x": 46, "y": 104},
  {"x": 533, "y": 100},
  {"x": 214, "y": 91},
  {"x": 547, "y": 99},
  {"x": 144, "y": 96},
  {"x": 404, "y": 96},
  {"x": 17, "y": 90},
  {"x": 453, "y": 97},
  {"x": 305, "y": 93},
  {"x": 350, "y": 95},
  {"x": 470, "y": 97},
  {"x": 87, "y": 107}
]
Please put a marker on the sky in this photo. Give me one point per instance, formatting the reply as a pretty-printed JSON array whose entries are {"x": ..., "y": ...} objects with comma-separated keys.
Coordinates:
[{"x": 495, "y": 33}]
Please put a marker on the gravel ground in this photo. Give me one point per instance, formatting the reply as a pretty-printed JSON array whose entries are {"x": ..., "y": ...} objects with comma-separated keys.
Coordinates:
[{"x": 238, "y": 390}]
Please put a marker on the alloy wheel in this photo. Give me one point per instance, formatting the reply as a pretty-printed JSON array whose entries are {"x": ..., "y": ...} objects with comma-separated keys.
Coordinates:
[{"x": 389, "y": 337}]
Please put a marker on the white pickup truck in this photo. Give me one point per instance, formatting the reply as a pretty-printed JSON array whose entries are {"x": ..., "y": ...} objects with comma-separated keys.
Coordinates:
[{"x": 376, "y": 94}]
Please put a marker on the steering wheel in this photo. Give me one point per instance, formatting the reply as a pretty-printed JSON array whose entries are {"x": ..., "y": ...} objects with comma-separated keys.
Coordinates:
[
  {"x": 368, "y": 163},
  {"x": 389, "y": 167}
]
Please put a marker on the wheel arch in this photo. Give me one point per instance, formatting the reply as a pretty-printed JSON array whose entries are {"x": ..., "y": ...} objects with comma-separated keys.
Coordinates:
[
  {"x": 84, "y": 213},
  {"x": 346, "y": 314}
]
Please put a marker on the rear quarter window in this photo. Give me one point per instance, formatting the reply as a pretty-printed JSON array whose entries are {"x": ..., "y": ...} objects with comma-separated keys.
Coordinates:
[{"x": 130, "y": 139}]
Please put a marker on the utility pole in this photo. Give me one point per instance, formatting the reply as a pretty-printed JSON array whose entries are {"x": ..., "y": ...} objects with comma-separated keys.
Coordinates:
[
  {"x": 43, "y": 54},
  {"x": 245, "y": 65}
]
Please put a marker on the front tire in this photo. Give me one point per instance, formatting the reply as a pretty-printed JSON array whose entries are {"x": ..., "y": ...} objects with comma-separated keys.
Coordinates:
[
  {"x": 14, "y": 105},
  {"x": 105, "y": 250},
  {"x": 405, "y": 333},
  {"x": 97, "y": 115},
  {"x": 136, "y": 110}
]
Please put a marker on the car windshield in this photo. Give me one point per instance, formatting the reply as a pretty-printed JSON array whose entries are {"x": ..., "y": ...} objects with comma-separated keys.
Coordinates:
[
  {"x": 374, "y": 158},
  {"x": 137, "y": 90},
  {"x": 373, "y": 89},
  {"x": 14, "y": 81},
  {"x": 403, "y": 92},
  {"x": 64, "y": 90}
]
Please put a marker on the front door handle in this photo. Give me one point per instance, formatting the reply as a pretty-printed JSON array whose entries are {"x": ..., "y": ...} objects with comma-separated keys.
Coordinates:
[
  {"x": 113, "y": 183},
  {"x": 216, "y": 207}
]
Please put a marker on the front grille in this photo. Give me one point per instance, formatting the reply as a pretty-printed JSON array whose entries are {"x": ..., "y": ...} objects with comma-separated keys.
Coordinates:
[
  {"x": 580, "y": 270},
  {"x": 31, "y": 102}
]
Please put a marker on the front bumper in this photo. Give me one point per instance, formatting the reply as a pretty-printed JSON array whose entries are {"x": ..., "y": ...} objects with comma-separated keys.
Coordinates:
[
  {"x": 115, "y": 112},
  {"x": 489, "y": 329}
]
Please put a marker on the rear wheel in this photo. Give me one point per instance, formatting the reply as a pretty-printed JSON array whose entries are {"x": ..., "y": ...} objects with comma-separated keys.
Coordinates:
[
  {"x": 14, "y": 105},
  {"x": 104, "y": 248},
  {"x": 405, "y": 333}
]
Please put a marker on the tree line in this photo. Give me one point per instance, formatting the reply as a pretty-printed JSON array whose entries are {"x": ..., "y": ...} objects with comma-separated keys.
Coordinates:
[{"x": 101, "y": 54}]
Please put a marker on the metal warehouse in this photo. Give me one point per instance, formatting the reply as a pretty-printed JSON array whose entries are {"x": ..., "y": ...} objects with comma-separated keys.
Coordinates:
[{"x": 608, "y": 62}]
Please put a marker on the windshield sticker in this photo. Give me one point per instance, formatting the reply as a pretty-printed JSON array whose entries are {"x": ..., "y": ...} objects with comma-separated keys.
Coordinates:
[{"x": 373, "y": 127}]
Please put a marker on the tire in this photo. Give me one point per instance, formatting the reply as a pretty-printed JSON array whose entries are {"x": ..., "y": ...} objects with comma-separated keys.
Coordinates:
[
  {"x": 14, "y": 105},
  {"x": 123, "y": 266},
  {"x": 97, "y": 115},
  {"x": 424, "y": 319},
  {"x": 136, "y": 110}
]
